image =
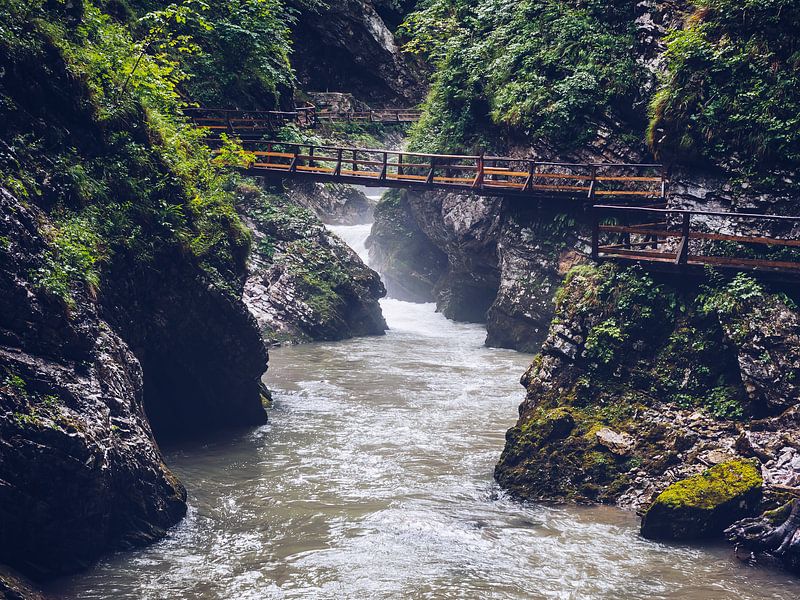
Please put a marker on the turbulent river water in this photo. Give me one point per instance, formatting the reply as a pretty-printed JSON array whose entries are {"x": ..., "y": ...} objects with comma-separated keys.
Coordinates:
[{"x": 373, "y": 480}]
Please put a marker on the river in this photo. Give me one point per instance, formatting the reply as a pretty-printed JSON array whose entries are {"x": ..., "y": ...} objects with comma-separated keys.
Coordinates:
[{"x": 373, "y": 480}]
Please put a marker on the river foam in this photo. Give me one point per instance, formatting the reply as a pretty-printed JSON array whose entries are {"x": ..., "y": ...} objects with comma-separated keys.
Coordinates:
[{"x": 374, "y": 480}]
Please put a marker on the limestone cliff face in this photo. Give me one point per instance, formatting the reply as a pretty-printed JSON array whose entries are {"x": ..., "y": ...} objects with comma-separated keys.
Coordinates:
[
  {"x": 80, "y": 470},
  {"x": 346, "y": 46},
  {"x": 641, "y": 383},
  {"x": 304, "y": 283}
]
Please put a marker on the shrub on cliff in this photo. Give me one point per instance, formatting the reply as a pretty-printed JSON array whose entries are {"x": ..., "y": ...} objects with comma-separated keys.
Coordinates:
[
  {"x": 90, "y": 130},
  {"x": 731, "y": 93},
  {"x": 543, "y": 68}
]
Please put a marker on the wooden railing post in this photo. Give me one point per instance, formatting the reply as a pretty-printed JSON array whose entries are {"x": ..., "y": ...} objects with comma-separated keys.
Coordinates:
[
  {"x": 682, "y": 255},
  {"x": 593, "y": 182},
  {"x": 385, "y": 166},
  {"x": 400, "y": 161},
  {"x": 338, "y": 170},
  {"x": 311, "y": 154},
  {"x": 478, "y": 183},
  {"x": 293, "y": 165},
  {"x": 355, "y": 163},
  {"x": 429, "y": 179},
  {"x": 531, "y": 172},
  {"x": 595, "y": 234}
]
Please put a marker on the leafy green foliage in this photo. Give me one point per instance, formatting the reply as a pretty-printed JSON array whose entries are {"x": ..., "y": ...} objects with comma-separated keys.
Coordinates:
[
  {"x": 543, "y": 68},
  {"x": 732, "y": 90},
  {"x": 74, "y": 256},
  {"x": 730, "y": 299},
  {"x": 243, "y": 57},
  {"x": 129, "y": 175}
]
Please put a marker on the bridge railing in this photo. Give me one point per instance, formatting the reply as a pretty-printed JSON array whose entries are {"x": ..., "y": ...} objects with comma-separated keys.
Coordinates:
[
  {"x": 251, "y": 122},
  {"x": 676, "y": 238},
  {"x": 382, "y": 115},
  {"x": 483, "y": 174}
]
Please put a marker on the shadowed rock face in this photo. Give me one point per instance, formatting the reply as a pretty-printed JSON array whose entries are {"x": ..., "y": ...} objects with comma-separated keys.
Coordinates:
[
  {"x": 79, "y": 469},
  {"x": 346, "y": 46}
]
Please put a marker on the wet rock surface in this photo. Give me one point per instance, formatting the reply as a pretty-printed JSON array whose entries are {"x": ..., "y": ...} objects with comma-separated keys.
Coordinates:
[
  {"x": 704, "y": 505},
  {"x": 80, "y": 472},
  {"x": 651, "y": 416},
  {"x": 346, "y": 45},
  {"x": 304, "y": 283},
  {"x": 333, "y": 203},
  {"x": 411, "y": 265}
]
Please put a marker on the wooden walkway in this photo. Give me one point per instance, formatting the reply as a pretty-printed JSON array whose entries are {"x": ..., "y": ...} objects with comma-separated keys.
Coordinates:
[
  {"x": 631, "y": 223},
  {"x": 683, "y": 240},
  {"x": 254, "y": 124},
  {"x": 644, "y": 184}
]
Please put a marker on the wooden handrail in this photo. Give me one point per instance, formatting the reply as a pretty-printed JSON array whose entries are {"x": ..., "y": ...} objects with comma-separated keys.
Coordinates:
[{"x": 664, "y": 251}]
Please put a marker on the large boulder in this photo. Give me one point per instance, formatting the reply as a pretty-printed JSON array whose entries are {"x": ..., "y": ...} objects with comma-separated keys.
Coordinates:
[{"x": 704, "y": 505}]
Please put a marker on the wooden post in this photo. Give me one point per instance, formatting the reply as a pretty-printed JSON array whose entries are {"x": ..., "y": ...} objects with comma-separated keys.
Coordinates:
[
  {"x": 382, "y": 176},
  {"x": 400, "y": 165},
  {"x": 355, "y": 164},
  {"x": 311, "y": 154},
  {"x": 293, "y": 165},
  {"x": 531, "y": 172},
  {"x": 595, "y": 234},
  {"x": 429, "y": 179},
  {"x": 478, "y": 183},
  {"x": 593, "y": 171},
  {"x": 682, "y": 255}
]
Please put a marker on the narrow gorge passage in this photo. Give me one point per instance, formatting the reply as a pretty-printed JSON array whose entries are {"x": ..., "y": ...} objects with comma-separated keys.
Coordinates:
[{"x": 374, "y": 480}]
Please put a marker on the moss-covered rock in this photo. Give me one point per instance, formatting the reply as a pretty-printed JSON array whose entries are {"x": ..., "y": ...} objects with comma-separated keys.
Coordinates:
[
  {"x": 656, "y": 378},
  {"x": 304, "y": 283},
  {"x": 704, "y": 505}
]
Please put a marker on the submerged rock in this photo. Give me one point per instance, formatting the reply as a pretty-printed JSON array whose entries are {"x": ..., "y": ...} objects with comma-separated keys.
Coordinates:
[{"x": 704, "y": 505}]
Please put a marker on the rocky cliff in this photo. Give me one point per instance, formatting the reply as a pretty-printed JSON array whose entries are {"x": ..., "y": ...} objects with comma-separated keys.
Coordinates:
[
  {"x": 346, "y": 46},
  {"x": 122, "y": 265},
  {"x": 80, "y": 469},
  {"x": 304, "y": 283}
]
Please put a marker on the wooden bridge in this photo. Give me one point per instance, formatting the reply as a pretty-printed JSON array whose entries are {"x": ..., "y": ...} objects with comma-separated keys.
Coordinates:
[
  {"x": 644, "y": 184},
  {"x": 682, "y": 240},
  {"x": 630, "y": 220},
  {"x": 254, "y": 124}
]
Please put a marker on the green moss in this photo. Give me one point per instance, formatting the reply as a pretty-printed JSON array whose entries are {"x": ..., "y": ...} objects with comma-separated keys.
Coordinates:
[
  {"x": 704, "y": 505},
  {"x": 713, "y": 487}
]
